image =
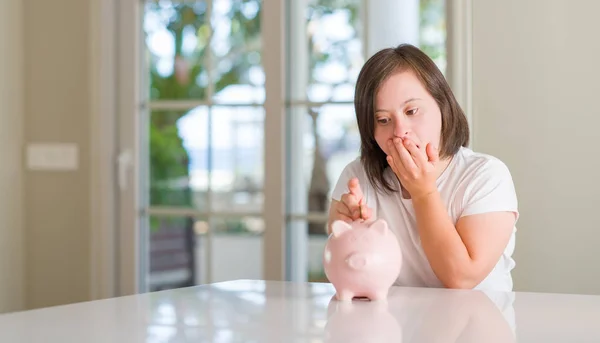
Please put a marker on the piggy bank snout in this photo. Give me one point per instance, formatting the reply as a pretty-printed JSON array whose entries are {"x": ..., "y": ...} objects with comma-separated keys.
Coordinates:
[{"x": 357, "y": 260}]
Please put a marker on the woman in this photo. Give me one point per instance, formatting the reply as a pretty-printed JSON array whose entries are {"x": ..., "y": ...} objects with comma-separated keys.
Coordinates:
[{"x": 452, "y": 210}]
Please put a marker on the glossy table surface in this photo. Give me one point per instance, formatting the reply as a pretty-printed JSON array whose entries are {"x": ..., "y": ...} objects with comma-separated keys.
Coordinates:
[{"x": 259, "y": 311}]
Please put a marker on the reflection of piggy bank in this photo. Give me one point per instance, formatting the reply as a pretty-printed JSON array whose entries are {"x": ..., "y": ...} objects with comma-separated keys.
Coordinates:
[
  {"x": 361, "y": 322},
  {"x": 361, "y": 259}
]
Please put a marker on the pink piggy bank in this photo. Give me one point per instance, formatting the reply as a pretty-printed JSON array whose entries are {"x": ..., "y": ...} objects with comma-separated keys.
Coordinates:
[{"x": 362, "y": 259}]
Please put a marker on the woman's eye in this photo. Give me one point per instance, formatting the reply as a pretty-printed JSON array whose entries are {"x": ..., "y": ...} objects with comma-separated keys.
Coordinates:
[
  {"x": 412, "y": 111},
  {"x": 383, "y": 121}
]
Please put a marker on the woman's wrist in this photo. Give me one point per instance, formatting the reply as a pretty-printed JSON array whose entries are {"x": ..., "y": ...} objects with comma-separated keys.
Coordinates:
[{"x": 424, "y": 197}]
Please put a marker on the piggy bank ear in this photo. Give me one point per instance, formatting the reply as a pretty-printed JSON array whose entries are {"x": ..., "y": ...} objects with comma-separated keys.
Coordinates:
[
  {"x": 338, "y": 227},
  {"x": 380, "y": 226}
]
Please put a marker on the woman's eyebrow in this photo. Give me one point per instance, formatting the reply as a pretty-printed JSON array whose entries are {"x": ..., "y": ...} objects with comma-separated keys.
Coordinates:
[
  {"x": 409, "y": 100},
  {"x": 404, "y": 103}
]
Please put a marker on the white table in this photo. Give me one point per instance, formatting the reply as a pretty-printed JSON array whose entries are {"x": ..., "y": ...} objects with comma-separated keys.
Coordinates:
[{"x": 258, "y": 311}]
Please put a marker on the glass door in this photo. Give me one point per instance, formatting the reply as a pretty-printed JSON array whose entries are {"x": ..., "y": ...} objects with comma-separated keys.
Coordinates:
[{"x": 204, "y": 142}]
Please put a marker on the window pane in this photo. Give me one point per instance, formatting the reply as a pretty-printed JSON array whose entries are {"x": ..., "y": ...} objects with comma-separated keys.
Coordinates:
[
  {"x": 433, "y": 31},
  {"x": 183, "y": 165},
  {"x": 315, "y": 247},
  {"x": 176, "y": 37},
  {"x": 237, "y": 158},
  {"x": 328, "y": 141},
  {"x": 179, "y": 158},
  {"x": 236, "y": 47},
  {"x": 173, "y": 254},
  {"x": 327, "y": 40},
  {"x": 326, "y": 51},
  {"x": 179, "y": 251},
  {"x": 236, "y": 248}
]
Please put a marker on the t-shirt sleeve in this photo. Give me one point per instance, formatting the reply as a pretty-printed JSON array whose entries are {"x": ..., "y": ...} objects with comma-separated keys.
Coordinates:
[
  {"x": 491, "y": 189},
  {"x": 350, "y": 171}
]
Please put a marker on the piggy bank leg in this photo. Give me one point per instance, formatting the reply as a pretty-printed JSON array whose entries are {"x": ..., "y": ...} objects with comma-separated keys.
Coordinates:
[
  {"x": 378, "y": 295},
  {"x": 344, "y": 295}
]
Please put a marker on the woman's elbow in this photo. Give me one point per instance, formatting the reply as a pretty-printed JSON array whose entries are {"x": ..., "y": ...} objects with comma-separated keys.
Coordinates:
[
  {"x": 462, "y": 280},
  {"x": 460, "y": 283}
]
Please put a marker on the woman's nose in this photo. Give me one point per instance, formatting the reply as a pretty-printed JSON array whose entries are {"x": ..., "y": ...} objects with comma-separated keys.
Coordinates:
[{"x": 401, "y": 128}]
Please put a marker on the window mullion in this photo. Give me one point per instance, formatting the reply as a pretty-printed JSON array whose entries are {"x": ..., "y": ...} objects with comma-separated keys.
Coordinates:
[{"x": 273, "y": 35}]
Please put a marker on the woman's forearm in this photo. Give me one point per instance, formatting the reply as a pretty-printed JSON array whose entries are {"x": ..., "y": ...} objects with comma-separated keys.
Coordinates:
[{"x": 445, "y": 250}]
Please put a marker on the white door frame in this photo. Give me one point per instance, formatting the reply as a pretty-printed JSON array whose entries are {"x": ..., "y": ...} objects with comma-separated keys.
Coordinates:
[
  {"x": 130, "y": 114},
  {"x": 103, "y": 148},
  {"x": 459, "y": 47},
  {"x": 115, "y": 47},
  {"x": 114, "y": 59},
  {"x": 273, "y": 40}
]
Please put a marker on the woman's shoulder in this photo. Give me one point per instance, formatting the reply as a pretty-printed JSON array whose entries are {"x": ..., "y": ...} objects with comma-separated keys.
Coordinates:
[
  {"x": 354, "y": 165},
  {"x": 482, "y": 182},
  {"x": 473, "y": 165},
  {"x": 353, "y": 169}
]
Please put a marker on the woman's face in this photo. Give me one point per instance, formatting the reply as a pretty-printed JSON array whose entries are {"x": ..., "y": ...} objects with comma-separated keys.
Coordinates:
[{"x": 404, "y": 108}]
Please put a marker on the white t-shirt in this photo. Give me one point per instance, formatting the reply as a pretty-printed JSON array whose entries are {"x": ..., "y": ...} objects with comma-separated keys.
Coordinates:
[{"x": 473, "y": 183}]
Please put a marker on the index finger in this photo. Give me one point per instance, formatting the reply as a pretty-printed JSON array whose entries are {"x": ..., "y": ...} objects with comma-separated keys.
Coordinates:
[
  {"x": 415, "y": 139},
  {"x": 354, "y": 188}
]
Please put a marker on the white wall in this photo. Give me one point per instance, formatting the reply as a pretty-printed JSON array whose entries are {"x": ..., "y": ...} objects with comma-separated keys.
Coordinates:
[
  {"x": 57, "y": 95},
  {"x": 11, "y": 140},
  {"x": 44, "y": 97},
  {"x": 536, "y": 68}
]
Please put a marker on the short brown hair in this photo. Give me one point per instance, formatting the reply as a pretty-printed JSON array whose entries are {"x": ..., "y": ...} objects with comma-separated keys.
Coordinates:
[{"x": 377, "y": 69}]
